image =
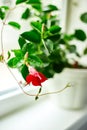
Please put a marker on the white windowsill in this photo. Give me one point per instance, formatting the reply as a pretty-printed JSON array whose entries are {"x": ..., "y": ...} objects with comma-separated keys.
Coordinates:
[{"x": 44, "y": 115}]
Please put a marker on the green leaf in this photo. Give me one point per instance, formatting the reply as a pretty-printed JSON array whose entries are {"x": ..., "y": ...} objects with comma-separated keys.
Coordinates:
[
  {"x": 20, "y": 1},
  {"x": 3, "y": 10},
  {"x": 72, "y": 48},
  {"x": 18, "y": 53},
  {"x": 80, "y": 35},
  {"x": 49, "y": 45},
  {"x": 26, "y": 14},
  {"x": 37, "y": 26},
  {"x": 58, "y": 67},
  {"x": 13, "y": 62},
  {"x": 55, "y": 55},
  {"x": 54, "y": 29},
  {"x": 37, "y": 7},
  {"x": 21, "y": 41},
  {"x": 4, "y": 7},
  {"x": 9, "y": 54},
  {"x": 83, "y": 17},
  {"x": 28, "y": 47},
  {"x": 68, "y": 37},
  {"x": 2, "y": 14},
  {"x": 34, "y": 60},
  {"x": 24, "y": 70},
  {"x": 33, "y": 2},
  {"x": 50, "y": 8},
  {"x": 53, "y": 37},
  {"x": 85, "y": 51},
  {"x": 32, "y": 36},
  {"x": 14, "y": 24}
]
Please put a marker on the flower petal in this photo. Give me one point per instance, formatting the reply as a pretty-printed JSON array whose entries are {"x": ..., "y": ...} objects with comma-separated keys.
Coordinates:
[
  {"x": 41, "y": 77},
  {"x": 36, "y": 81},
  {"x": 29, "y": 78}
]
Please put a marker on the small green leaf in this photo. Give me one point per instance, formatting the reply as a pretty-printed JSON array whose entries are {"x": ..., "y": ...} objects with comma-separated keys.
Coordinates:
[
  {"x": 28, "y": 47},
  {"x": 33, "y": 1},
  {"x": 3, "y": 10},
  {"x": 50, "y": 8},
  {"x": 72, "y": 48},
  {"x": 37, "y": 7},
  {"x": 18, "y": 53},
  {"x": 4, "y": 7},
  {"x": 54, "y": 29},
  {"x": 49, "y": 45},
  {"x": 26, "y": 14},
  {"x": 20, "y": 1},
  {"x": 2, "y": 14},
  {"x": 37, "y": 26},
  {"x": 58, "y": 67},
  {"x": 80, "y": 35},
  {"x": 85, "y": 51},
  {"x": 32, "y": 36},
  {"x": 68, "y": 37},
  {"x": 9, "y": 54},
  {"x": 13, "y": 62},
  {"x": 14, "y": 24},
  {"x": 34, "y": 60},
  {"x": 83, "y": 17},
  {"x": 21, "y": 41},
  {"x": 24, "y": 70}
]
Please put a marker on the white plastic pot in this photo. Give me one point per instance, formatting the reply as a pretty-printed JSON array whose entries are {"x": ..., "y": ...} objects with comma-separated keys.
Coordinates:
[{"x": 74, "y": 97}]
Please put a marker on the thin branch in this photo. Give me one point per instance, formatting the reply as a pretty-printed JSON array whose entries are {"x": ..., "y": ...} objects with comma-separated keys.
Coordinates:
[
  {"x": 2, "y": 48},
  {"x": 44, "y": 94}
]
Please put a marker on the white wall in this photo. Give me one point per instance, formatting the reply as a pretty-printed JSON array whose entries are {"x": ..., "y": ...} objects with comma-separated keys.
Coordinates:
[{"x": 75, "y": 9}]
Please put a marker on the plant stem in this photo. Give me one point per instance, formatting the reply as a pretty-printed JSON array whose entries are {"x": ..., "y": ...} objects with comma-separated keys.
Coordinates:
[
  {"x": 2, "y": 48},
  {"x": 42, "y": 39}
]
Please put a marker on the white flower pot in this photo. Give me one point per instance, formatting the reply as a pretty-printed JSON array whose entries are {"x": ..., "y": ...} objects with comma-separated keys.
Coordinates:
[{"x": 74, "y": 97}]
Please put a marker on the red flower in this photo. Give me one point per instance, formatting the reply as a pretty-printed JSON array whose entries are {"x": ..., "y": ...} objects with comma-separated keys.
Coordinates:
[{"x": 35, "y": 77}]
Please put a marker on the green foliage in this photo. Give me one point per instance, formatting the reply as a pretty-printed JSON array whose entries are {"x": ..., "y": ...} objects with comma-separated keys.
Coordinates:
[
  {"x": 85, "y": 51},
  {"x": 14, "y": 62},
  {"x": 24, "y": 70},
  {"x": 32, "y": 36},
  {"x": 83, "y": 17},
  {"x": 3, "y": 10},
  {"x": 14, "y": 24},
  {"x": 80, "y": 35},
  {"x": 33, "y": 1},
  {"x": 34, "y": 61},
  {"x": 26, "y": 14},
  {"x": 36, "y": 4},
  {"x": 20, "y": 1},
  {"x": 21, "y": 41},
  {"x": 54, "y": 29},
  {"x": 9, "y": 54},
  {"x": 37, "y": 26},
  {"x": 72, "y": 48},
  {"x": 50, "y": 8}
]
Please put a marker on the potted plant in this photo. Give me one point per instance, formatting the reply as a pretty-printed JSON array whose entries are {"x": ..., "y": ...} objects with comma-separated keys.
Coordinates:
[
  {"x": 39, "y": 52},
  {"x": 43, "y": 49}
]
